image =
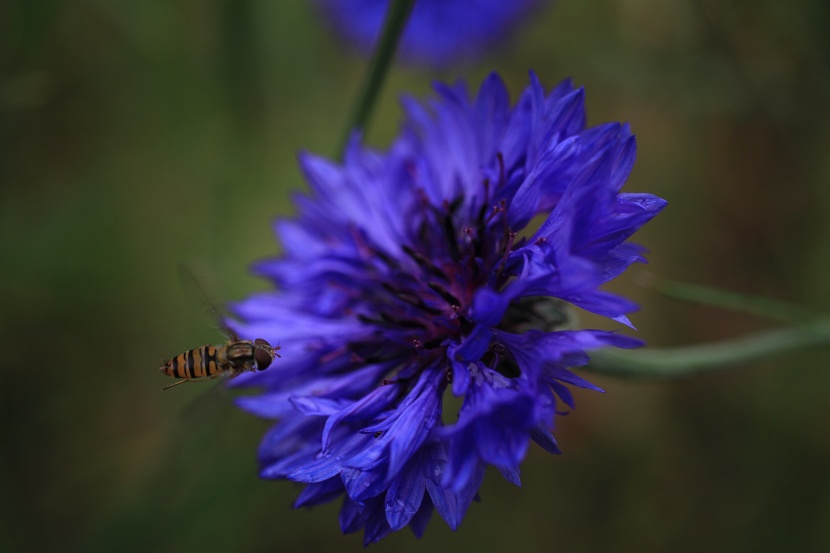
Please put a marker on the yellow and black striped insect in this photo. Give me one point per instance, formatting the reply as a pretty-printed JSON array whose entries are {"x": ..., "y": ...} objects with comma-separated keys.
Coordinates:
[{"x": 207, "y": 362}]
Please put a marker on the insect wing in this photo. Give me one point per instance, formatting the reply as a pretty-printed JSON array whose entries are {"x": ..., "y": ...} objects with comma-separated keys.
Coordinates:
[
  {"x": 195, "y": 290},
  {"x": 209, "y": 406}
]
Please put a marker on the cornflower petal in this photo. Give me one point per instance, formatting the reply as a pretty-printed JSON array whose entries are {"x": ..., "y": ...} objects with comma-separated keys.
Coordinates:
[{"x": 406, "y": 492}]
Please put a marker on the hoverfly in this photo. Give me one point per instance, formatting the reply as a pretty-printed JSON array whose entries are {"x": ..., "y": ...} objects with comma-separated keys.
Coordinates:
[{"x": 207, "y": 362}]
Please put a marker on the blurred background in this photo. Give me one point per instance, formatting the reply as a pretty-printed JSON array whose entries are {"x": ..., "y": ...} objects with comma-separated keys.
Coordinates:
[{"x": 135, "y": 136}]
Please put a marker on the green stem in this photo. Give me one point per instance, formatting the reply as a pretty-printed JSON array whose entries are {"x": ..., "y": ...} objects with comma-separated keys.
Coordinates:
[
  {"x": 396, "y": 18},
  {"x": 665, "y": 363}
]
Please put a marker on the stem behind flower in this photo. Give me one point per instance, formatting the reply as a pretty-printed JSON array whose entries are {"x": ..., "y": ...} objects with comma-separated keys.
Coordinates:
[
  {"x": 393, "y": 26},
  {"x": 665, "y": 363}
]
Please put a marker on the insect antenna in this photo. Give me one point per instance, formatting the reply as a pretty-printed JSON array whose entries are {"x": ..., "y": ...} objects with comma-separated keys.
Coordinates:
[{"x": 198, "y": 294}]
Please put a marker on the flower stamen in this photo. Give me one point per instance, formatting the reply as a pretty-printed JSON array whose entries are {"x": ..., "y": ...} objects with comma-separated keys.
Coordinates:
[
  {"x": 411, "y": 299},
  {"x": 445, "y": 294},
  {"x": 510, "y": 237},
  {"x": 497, "y": 209},
  {"x": 424, "y": 263}
]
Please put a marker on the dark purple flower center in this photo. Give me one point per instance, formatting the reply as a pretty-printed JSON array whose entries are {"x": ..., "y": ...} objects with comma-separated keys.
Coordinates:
[{"x": 422, "y": 298}]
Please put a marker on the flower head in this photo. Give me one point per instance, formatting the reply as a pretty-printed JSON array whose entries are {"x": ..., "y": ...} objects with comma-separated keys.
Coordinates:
[
  {"x": 438, "y": 31},
  {"x": 448, "y": 264}
]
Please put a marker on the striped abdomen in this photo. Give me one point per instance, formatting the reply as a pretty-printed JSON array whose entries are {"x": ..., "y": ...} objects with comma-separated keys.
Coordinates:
[{"x": 196, "y": 363}]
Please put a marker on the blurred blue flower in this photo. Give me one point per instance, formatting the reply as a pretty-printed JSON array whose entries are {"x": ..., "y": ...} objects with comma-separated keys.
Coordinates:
[
  {"x": 445, "y": 266},
  {"x": 438, "y": 32}
]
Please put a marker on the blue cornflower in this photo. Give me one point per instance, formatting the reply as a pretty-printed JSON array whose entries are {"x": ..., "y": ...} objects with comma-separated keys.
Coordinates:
[
  {"x": 449, "y": 264},
  {"x": 438, "y": 31}
]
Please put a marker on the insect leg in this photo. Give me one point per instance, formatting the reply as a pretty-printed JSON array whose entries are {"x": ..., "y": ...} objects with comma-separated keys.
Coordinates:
[
  {"x": 174, "y": 384},
  {"x": 190, "y": 380}
]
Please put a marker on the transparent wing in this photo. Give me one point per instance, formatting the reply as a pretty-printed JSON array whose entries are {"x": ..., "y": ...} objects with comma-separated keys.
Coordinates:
[
  {"x": 208, "y": 406},
  {"x": 197, "y": 292}
]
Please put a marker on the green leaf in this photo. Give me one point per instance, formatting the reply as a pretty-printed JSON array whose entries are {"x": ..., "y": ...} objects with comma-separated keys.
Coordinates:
[{"x": 734, "y": 301}]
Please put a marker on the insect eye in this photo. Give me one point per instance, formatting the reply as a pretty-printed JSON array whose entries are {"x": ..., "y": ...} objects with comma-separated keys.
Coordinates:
[{"x": 263, "y": 355}]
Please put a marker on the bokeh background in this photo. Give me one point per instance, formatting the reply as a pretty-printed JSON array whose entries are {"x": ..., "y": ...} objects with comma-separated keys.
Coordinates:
[{"x": 135, "y": 136}]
